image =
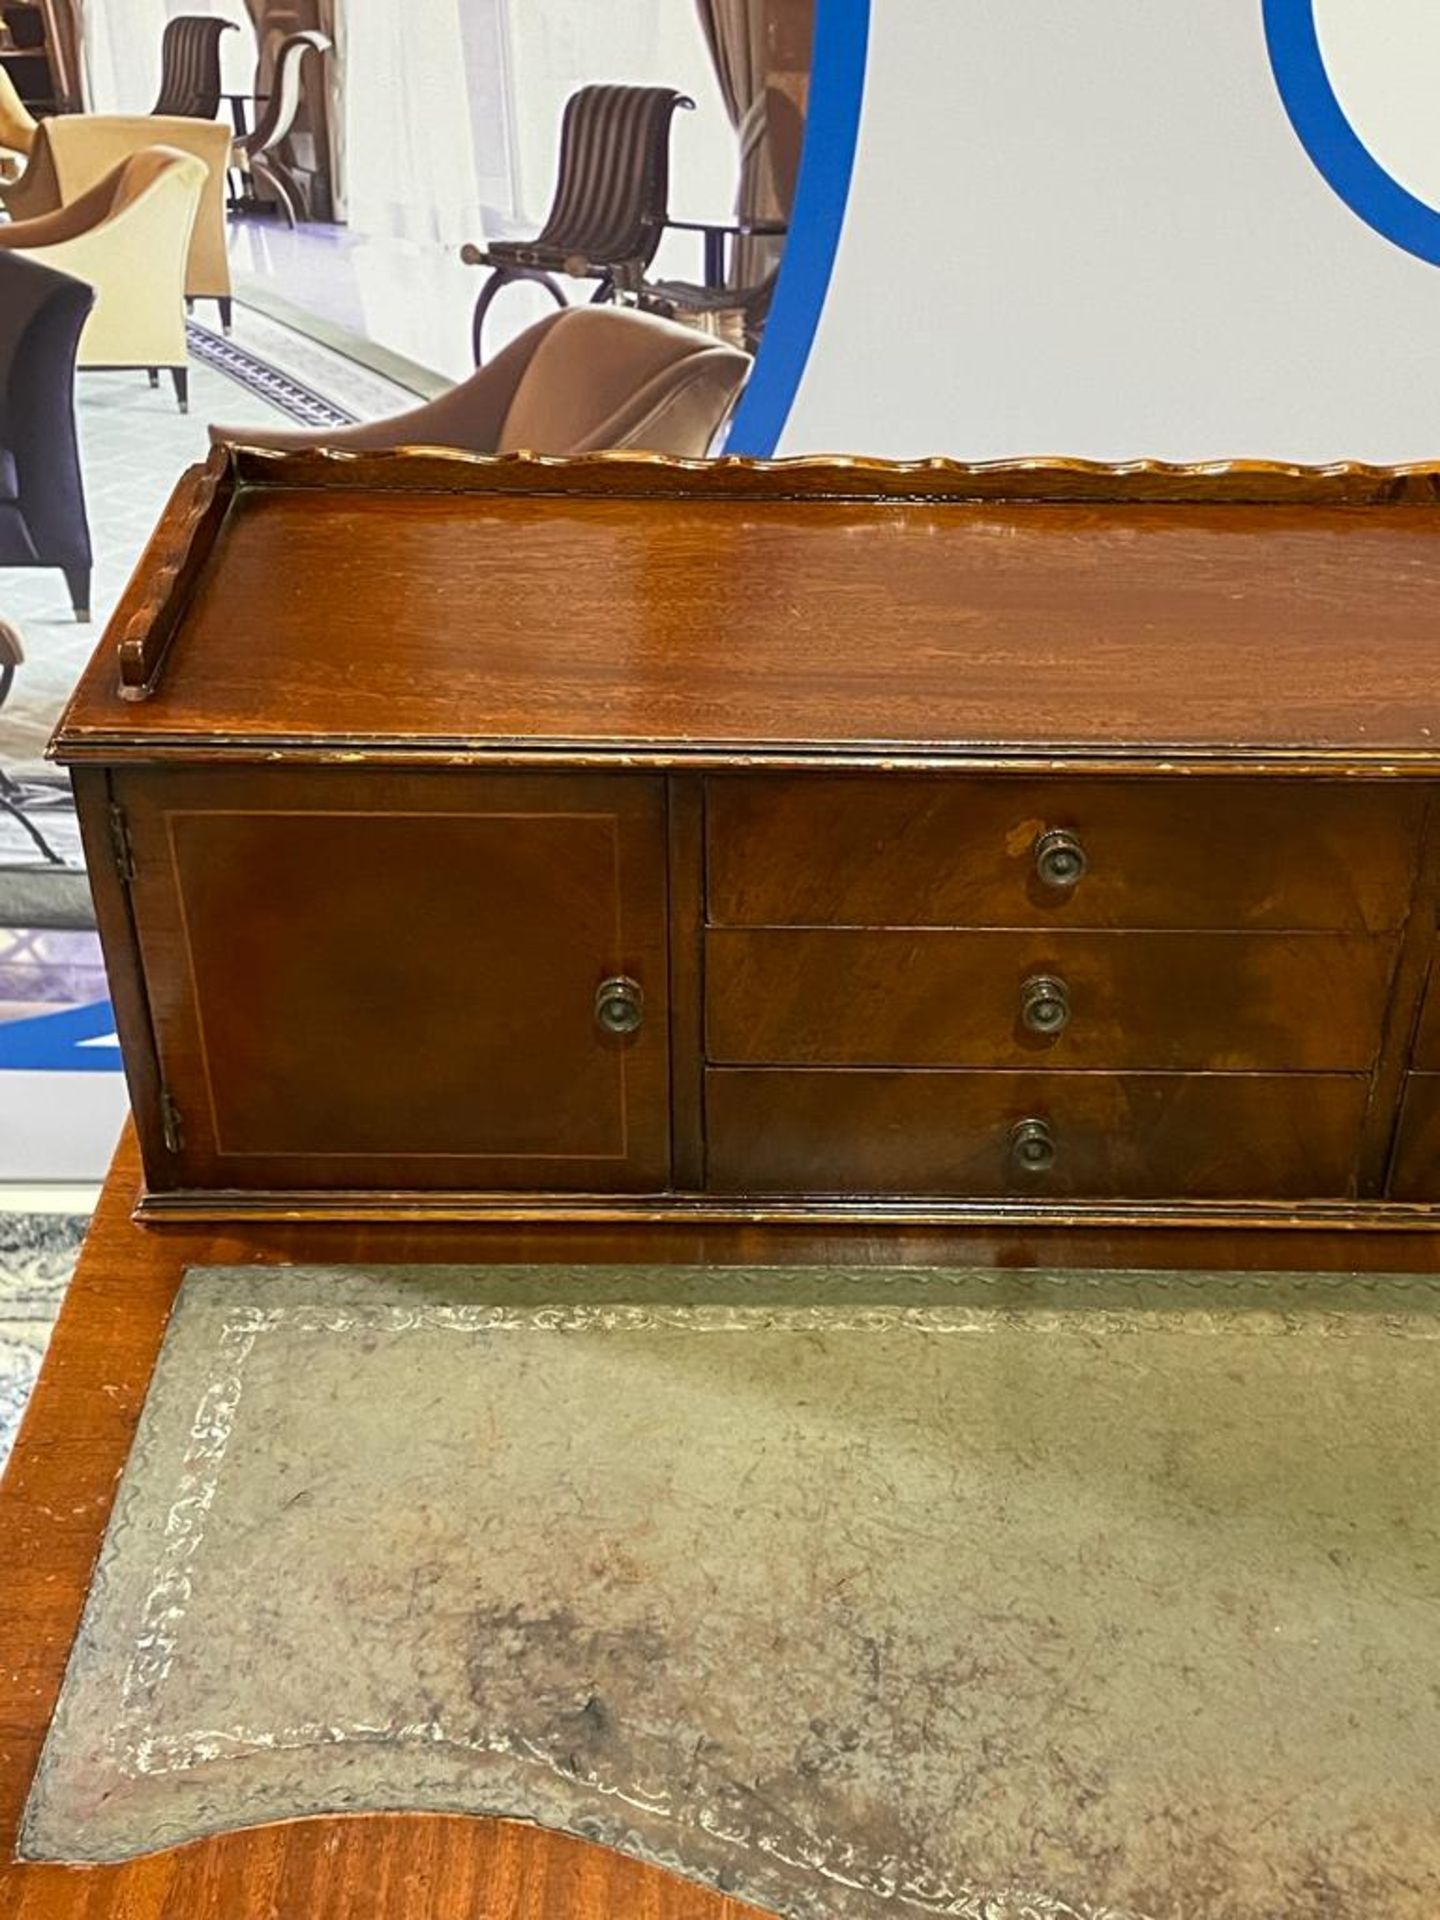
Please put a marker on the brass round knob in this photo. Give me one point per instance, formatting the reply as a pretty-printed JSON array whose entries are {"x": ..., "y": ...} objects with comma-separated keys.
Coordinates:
[
  {"x": 1032, "y": 1147},
  {"x": 619, "y": 1004},
  {"x": 1060, "y": 860},
  {"x": 1045, "y": 1005}
]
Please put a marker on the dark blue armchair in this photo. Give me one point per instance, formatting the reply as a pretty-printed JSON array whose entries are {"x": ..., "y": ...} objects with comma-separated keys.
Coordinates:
[{"x": 42, "y": 495}]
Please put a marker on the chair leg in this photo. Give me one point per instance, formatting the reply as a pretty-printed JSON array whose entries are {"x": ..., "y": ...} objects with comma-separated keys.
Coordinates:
[
  {"x": 181, "y": 377},
  {"x": 154, "y": 373},
  {"x": 500, "y": 277},
  {"x": 227, "y": 308},
  {"x": 272, "y": 172},
  {"x": 189, "y": 304},
  {"x": 77, "y": 579}
]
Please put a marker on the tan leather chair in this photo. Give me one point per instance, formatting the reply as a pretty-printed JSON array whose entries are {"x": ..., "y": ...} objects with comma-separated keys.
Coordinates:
[
  {"x": 74, "y": 151},
  {"x": 579, "y": 381},
  {"x": 129, "y": 237},
  {"x": 17, "y": 124}
]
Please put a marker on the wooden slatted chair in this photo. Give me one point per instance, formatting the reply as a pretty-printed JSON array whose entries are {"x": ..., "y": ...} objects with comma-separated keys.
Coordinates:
[
  {"x": 190, "y": 66},
  {"x": 610, "y": 204},
  {"x": 260, "y": 154}
]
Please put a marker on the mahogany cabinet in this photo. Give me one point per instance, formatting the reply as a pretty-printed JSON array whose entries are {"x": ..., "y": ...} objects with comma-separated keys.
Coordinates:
[{"x": 815, "y": 839}]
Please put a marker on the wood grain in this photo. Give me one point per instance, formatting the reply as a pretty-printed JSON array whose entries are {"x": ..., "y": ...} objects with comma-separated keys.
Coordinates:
[
  {"x": 361, "y": 981},
  {"x": 1137, "y": 1136},
  {"x": 1175, "y": 1002},
  {"x": 1415, "y": 1167},
  {"x": 936, "y": 624},
  {"x": 896, "y": 851},
  {"x": 1426, "y": 1053}
]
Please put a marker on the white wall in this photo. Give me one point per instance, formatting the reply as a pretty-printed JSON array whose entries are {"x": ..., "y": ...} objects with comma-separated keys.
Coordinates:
[{"x": 1087, "y": 227}]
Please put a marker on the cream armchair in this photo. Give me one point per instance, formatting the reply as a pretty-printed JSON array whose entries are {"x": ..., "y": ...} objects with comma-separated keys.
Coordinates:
[
  {"x": 129, "y": 238},
  {"x": 75, "y": 151},
  {"x": 17, "y": 124}
]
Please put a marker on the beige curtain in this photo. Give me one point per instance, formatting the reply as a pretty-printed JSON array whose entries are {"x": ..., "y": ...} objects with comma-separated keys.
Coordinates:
[{"x": 735, "y": 32}]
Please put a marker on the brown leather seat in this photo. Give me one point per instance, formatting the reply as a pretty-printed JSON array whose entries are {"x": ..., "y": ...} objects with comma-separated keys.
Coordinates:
[{"x": 579, "y": 381}]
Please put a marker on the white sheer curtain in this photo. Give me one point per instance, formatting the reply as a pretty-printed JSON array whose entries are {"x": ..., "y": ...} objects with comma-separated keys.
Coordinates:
[
  {"x": 120, "y": 53},
  {"x": 120, "y": 49},
  {"x": 556, "y": 46},
  {"x": 409, "y": 149}
]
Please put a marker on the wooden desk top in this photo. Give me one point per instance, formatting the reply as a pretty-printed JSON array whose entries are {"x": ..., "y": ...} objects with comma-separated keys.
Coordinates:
[
  {"x": 434, "y": 608},
  {"x": 56, "y": 1494}
]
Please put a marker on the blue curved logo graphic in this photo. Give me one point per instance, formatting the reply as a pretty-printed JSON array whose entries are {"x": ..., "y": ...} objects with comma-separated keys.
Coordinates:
[
  {"x": 1332, "y": 143},
  {"x": 832, "y": 121}
]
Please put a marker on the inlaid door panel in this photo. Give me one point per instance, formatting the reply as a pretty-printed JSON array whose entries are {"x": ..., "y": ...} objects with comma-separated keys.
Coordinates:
[{"x": 365, "y": 980}]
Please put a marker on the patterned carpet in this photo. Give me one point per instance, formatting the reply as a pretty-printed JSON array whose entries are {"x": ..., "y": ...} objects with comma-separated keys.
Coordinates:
[
  {"x": 291, "y": 396},
  {"x": 37, "y": 1256}
]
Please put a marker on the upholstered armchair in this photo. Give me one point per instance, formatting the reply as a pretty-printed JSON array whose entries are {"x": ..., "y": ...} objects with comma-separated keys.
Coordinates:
[
  {"x": 17, "y": 124},
  {"x": 580, "y": 381},
  {"x": 73, "y": 151},
  {"x": 42, "y": 495},
  {"x": 129, "y": 237}
]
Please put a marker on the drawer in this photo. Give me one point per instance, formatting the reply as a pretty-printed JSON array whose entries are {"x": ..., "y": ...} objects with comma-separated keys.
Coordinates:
[
  {"x": 928, "y": 997},
  {"x": 1415, "y": 1164},
  {"x": 941, "y": 851},
  {"x": 1122, "y": 1136}
]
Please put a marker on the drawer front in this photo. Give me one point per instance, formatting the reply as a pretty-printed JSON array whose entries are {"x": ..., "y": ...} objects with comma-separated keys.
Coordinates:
[
  {"x": 1415, "y": 1165},
  {"x": 1177, "y": 1001},
  {"x": 1120, "y": 1136},
  {"x": 941, "y": 851}
]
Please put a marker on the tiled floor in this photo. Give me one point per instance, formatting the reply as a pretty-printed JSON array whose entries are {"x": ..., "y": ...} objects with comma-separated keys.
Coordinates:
[{"x": 409, "y": 301}]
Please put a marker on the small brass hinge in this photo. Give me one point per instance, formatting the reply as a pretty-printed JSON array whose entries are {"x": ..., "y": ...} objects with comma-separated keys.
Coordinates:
[
  {"x": 170, "y": 1129},
  {"x": 120, "y": 846}
]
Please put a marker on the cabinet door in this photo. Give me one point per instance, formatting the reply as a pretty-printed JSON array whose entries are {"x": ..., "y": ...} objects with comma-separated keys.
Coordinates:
[{"x": 372, "y": 981}]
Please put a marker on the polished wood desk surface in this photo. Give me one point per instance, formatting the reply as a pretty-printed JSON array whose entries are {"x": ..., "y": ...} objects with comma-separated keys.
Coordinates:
[
  {"x": 653, "y": 611},
  {"x": 55, "y": 1499}
]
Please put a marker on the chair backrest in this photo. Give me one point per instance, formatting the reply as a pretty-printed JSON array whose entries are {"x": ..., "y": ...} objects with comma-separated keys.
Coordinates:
[
  {"x": 42, "y": 316},
  {"x": 38, "y": 188},
  {"x": 190, "y": 66},
  {"x": 137, "y": 174},
  {"x": 286, "y": 90},
  {"x": 17, "y": 124},
  {"x": 33, "y": 298},
  {"x": 612, "y": 193},
  {"x": 605, "y": 377},
  {"x": 85, "y": 147}
]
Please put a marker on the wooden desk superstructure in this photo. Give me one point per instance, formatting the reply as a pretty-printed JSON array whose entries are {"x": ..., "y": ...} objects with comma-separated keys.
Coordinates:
[
  {"x": 628, "y": 838},
  {"x": 809, "y": 728}
]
